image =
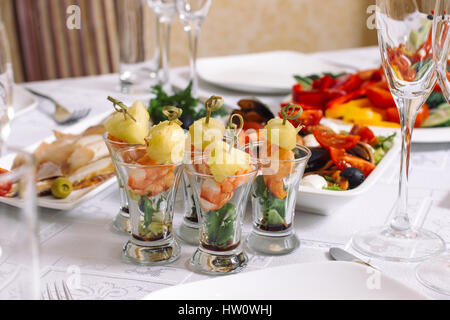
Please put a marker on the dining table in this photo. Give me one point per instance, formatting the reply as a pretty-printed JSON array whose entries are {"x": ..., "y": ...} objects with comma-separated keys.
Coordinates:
[{"x": 80, "y": 244}]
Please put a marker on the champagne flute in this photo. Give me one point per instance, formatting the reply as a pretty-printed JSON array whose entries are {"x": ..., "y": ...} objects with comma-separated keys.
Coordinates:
[
  {"x": 19, "y": 240},
  {"x": 192, "y": 13},
  {"x": 435, "y": 273},
  {"x": 6, "y": 85},
  {"x": 404, "y": 38},
  {"x": 165, "y": 12}
]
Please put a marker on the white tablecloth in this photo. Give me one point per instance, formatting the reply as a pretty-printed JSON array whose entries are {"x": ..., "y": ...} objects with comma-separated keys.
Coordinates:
[{"x": 82, "y": 240}]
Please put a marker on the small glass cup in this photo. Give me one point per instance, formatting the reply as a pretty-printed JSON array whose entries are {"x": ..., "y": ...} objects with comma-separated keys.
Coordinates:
[
  {"x": 273, "y": 201},
  {"x": 151, "y": 191},
  {"x": 189, "y": 228},
  {"x": 122, "y": 220},
  {"x": 220, "y": 218}
]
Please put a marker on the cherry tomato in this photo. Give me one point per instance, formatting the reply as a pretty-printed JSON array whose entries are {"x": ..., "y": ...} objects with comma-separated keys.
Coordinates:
[
  {"x": 365, "y": 134},
  {"x": 5, "y": 186},
  {"x": 343, "y": 160},
  {"x": 332, "y": 140}
]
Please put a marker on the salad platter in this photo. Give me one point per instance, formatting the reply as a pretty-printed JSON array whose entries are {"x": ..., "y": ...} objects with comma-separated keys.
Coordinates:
[{"x": 364, "y": 98}]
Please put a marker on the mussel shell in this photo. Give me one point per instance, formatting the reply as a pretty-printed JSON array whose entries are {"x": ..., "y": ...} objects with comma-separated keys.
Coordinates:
[
  {"x": 319, "y": 157},
  {"x": 254, "y": 106},
  {"x": 363, "y": 151}
]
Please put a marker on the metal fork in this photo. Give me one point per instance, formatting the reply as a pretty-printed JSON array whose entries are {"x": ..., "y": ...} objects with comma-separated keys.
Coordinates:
[
  {"x": 62, "y": 115},
  {"x": 58, "y": 292}
]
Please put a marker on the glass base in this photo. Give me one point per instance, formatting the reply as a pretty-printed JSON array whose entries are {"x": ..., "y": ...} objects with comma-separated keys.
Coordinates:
[
  {"x": 121, "y": 222},
  {"x": 388, "y": 244},
  {"x": 270, "y": 244},
  {"x": 208, "y": 262},
  {"x": 189, "y": 234},
  {"x": 435, "y": 273},
  {"x": 158, "y": 253}
]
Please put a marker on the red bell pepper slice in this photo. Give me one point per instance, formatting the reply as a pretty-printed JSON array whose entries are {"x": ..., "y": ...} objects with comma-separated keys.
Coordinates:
[
  {"x": 351, "y": 96},
  {"x": 352, "y": 84},
  {"x": 323, "y": 83},
  {"x": 380, "y": 97},
  {"x": 423, "y": 113}
]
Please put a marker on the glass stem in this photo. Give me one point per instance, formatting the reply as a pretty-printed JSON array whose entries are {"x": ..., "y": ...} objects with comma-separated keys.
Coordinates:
[
  {"x": 165, "y": 22},
  {"x": 193, "y": 30},
  {"x": 407, "y": 108}
]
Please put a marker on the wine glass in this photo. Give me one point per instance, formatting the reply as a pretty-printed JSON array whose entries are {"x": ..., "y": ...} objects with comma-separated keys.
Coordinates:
[
  {"x": 192, "y": 13},
  {"x": 165, "y": 12},
  {"x": 19, "y": 244},
  {"x": 435, "y": 273},
  {"x": 404, "y": 38},
  {"x": 6, "y": 85}
]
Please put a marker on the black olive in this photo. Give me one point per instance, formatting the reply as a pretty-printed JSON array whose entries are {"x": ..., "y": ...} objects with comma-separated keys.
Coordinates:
[
  {"x": 354, "y": 176},
  {"x": 187, "y": 121}
]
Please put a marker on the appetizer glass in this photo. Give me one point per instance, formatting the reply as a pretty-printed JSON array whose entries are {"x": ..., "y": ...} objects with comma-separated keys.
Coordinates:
[
  {"x": 405, "y": 42},
  {"x": 273, "y": 201},
  {"x": 19, "y": 240},
  {"x": 189, "y": 228},
  {"x": 151, "y": 191},
  {"x": 122, "y": 220},
  {"x": 220, "y": 216}
]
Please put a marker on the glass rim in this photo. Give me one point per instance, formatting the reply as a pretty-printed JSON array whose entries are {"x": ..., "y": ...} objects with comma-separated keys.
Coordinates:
[
  {"x": 106, "y": 139},
  {"x": 137, "y": 165},
  {"x": 299, "y": 146},
  {"x": 204, "y": 175}
]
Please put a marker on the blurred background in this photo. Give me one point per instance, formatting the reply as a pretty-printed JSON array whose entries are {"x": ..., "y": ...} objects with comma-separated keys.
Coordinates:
[{"x": 44, "y": 48}]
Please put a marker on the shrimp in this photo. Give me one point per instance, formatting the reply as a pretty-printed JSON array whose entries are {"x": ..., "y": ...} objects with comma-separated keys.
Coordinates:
[
  {"x": 214, "y": 195},
  {"x": 274, "y": 181},
  {"x": 151, "y": 181}
]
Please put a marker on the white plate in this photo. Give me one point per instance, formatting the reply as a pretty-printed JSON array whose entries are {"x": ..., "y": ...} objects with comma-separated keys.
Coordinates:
[
  {"x": 23, "y": 101},
  {"x": 431, "y": 135},
  {"x": 268, "y": 72},
  {"x": 76, "y": 197},
  {"x": 326, "y": 201},
  {"x": 325, "y": 280}
]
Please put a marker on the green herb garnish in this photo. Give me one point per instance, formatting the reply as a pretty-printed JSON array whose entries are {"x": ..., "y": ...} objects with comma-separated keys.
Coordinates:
[
  {"x": 274, "y": 211},
  {"x": 333, "y": 187},
  {"x": 220, "y": 225},
  {"x": 182, "y": 99}
]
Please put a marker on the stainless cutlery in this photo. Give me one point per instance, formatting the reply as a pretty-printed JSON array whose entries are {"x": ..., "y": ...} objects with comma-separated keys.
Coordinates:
[
  {"x": 59, "y": 293},
  {"x": 62, "y": 115},
  {"x": 339, "y": 254}
]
